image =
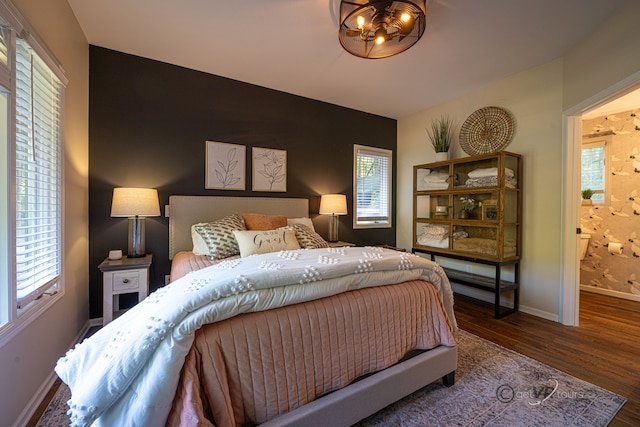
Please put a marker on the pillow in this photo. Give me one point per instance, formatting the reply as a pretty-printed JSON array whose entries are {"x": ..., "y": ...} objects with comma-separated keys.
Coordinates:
[
  {"x": 304, "y": 221},
  {"x": 216, "y": 238},
  {"x": 263, "y": 222},
  {"x": 253, "y": 242},
  {"x": 199, "y": 245},
  {"x": 307, "y": 238}
]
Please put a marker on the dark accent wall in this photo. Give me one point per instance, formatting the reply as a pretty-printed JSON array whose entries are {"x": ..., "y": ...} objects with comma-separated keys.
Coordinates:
[{"x": 148, "y": 123}]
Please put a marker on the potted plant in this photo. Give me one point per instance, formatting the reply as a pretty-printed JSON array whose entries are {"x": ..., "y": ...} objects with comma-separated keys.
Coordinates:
[
  {"x": 441, "y": 133},
  {"x": 468, "y": 205},
  {"x": 586, "y": 196}
]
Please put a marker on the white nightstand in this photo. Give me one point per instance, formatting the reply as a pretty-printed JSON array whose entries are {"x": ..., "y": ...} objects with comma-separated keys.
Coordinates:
[{"x": 123, "y": 276}]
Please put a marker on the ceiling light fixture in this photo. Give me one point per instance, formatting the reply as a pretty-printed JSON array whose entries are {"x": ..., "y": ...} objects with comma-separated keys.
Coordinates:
[{"x": 381, "y": 28}]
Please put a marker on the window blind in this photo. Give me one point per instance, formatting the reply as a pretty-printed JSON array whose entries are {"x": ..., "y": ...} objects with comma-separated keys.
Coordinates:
[
  {"x": 38, "y": 175},
  {"x": 593, "y": 170},
  {"x": 5, "y": 45},
  {"x": 373, "y": 184}
]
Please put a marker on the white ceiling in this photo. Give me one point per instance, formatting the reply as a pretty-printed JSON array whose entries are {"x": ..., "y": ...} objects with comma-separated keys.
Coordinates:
[
  {"x": 630, "y": 101},
  {"x": 292, "y": 45}
]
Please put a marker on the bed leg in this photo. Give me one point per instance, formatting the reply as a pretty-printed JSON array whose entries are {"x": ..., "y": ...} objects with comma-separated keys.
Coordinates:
[{"x": 449, "y": 379}]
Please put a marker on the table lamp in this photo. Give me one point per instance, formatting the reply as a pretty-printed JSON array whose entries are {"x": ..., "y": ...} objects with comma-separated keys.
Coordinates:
[
  {"x": 334, "y": 205},
  {"x": 135, "y": 204}
]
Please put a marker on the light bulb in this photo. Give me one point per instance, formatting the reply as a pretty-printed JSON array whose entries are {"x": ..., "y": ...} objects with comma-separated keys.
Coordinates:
[
  {"x": 405, "y": 17},
  {"x": 360, "y": 21},
  {"x": 381, "y": 36}
]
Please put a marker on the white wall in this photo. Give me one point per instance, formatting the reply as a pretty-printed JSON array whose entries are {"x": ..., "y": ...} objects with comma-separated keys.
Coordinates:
[
  {"x": 608, "y": 56},
  {"x": 27, "y": 361},
  {"x": 537, "y": 98}
]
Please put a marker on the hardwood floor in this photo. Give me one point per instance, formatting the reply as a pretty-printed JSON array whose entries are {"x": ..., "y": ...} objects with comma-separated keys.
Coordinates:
[{"x": 604, "y": 350}]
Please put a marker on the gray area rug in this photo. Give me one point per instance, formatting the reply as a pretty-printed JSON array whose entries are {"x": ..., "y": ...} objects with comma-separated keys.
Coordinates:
[
  {"x": 498, "y": 387},
  {"x": 494, "y": 386}
]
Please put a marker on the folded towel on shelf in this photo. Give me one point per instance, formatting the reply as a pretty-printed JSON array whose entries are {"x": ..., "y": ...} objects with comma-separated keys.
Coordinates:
[
  {"x": 436, "y": 186},
  {"x": 438, "y": 181},
  {"x": 485, "y": 172},
  {"x": 490, "y": 181},
  {"x": 436, "y": 177},
  {"x": 435, "y": 243},
  {"x": 432, "y": 231}
]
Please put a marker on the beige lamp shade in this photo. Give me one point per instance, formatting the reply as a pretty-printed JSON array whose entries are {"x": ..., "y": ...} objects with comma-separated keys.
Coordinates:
[
  {"x": 136, "y": 204},
  {"x": 131, "y": 202},
  {"x": 333, "y": 204}
]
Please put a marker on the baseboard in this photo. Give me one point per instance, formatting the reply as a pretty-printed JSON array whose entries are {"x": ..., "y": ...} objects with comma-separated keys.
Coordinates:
[
  {"x": 505, "y": 301},
  {"x": 539, "y": 313},
  {"x": 31, "y": 407},
  {"x": 95, "y": 322},
  {"x": 610, "y": 293}
]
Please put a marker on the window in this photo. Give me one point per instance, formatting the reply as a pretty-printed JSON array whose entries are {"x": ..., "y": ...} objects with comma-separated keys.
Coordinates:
[
  {"x": 38, "y": 175},
  {"x": 594, "y": 162},
  {"x": 31, "y": 212},
  {"x": 372, "y": 187}
]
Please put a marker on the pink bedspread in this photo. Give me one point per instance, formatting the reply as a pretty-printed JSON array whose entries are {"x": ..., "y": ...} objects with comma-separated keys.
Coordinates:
[
  {"x": 185, "y": 262},
  {"x": 253, "y": 367}
]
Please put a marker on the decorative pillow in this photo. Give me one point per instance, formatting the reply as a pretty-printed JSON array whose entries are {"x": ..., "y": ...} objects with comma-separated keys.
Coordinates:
[
  {"x": 199, "y": 245},
  {"x": 253, "y": 242},
  {"x": 307, "y": 238},
  {"x": 263, "y": 222},
  {"x": 304, "y": 221},
  {"x": 217, "y": 236}
]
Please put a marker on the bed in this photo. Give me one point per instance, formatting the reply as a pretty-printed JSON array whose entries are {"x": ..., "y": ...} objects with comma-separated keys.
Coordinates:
[{"x": 322, "y": 347}]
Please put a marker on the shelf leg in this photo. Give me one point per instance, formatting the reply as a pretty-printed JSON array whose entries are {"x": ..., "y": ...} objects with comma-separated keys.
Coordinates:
[{"x": 497, "y": 303}]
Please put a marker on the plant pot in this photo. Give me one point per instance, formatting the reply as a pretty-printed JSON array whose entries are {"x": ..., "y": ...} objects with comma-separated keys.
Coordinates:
[
  {"x": 586, "y": 202},
  {"x": 442, "y": 156},
  {"x": 464, "y": 214}
]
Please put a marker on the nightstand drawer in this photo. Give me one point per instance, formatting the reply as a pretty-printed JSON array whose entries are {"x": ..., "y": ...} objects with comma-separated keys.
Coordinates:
[{"x": 126, "y": 280}]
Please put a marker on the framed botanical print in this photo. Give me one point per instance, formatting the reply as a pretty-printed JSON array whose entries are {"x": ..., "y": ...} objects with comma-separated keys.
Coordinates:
[
  {"x": 226, "y": 166},
  {"x": 269, "y": 169}
]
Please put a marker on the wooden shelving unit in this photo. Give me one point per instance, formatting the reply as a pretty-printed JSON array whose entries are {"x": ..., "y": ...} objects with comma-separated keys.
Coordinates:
[{"x": 489, "y": 233}]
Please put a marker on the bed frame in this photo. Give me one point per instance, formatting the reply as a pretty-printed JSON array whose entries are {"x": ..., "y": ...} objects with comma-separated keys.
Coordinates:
[{"x": 350, "y": 404}]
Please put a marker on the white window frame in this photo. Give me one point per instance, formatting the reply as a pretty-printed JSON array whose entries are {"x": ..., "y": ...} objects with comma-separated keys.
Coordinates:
[
  {"x": 360, "y": 219},
  {"x": 12, "y": 318},
  {"x": 604, "y": 141}
]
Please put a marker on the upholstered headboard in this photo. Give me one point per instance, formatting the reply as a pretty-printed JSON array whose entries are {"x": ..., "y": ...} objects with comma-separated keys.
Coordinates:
[{"x": 184, "y": 211}]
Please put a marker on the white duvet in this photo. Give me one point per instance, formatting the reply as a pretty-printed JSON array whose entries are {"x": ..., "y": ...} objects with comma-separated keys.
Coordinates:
[{"x": 126, "y": 374}]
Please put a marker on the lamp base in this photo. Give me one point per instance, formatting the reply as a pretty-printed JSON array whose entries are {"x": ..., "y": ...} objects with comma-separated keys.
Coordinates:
[
  {"x": 333, "y": 228},
  {"x": 137, "y": 255},
  {"x": 136, "y": 248}
]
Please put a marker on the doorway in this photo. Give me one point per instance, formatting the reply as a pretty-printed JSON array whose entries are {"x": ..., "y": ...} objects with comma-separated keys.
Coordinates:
[{"x": 570, "y": 289}]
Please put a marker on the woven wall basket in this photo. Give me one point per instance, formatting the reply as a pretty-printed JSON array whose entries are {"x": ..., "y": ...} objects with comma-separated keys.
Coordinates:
[{"x": 487, "y": 130}]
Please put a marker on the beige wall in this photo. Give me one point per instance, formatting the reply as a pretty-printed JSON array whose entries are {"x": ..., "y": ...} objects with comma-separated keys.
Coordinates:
[
  {"x": 605, "y": 58},
  {"x": 27, "y": 361},
  {"x": 537, "y": 98},
  {"x": 534, "y": 99}
]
